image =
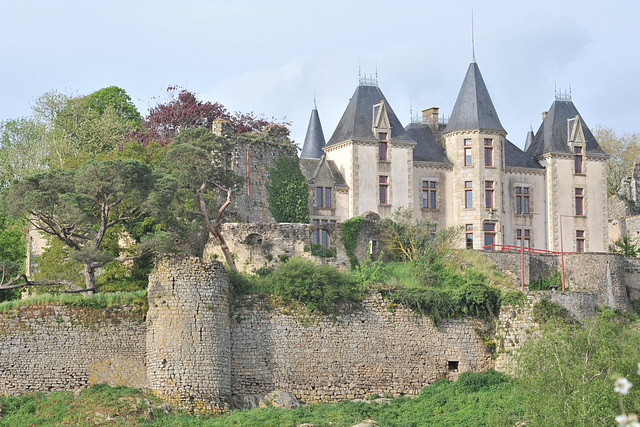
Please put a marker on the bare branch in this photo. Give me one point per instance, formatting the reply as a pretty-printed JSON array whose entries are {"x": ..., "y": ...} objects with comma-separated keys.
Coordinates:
[
  {"x": 11, "y": 284},
  {"x": 215, "y": 229}
]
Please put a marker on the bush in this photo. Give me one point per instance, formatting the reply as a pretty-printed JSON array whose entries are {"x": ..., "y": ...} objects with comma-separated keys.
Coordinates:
[
  {"x": 477, "y": 299},
  {"x": 546, "y": 283},
  {"x": 320, "y": 288},
  {"x": 321, "y": 251},
  {"x": 350, "y": 232},
  {"x": 545, "y": 311},
  {"x": 475, "y": 381}
]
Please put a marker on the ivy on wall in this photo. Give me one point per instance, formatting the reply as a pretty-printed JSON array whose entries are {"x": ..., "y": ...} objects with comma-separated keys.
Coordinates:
[
  {"x": 350, "y": 232},
  {"x": 288, "y": 192}
]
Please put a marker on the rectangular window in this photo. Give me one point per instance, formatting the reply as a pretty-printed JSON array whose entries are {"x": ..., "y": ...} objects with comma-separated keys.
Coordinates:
[
  {"x": 579, "y": 192},
  {"x": 527, "y": 238},
  {"x": 488, "y": 194},
  {"x": 578, "y": 159},
  {"x": 467, "y": 156},
  {"x": 383, "y": 188},
  {"x": 382, "y": 136},
  {"x": 382, "y": 151},
  {"x": 579, "y": 240},
  {"x": 468, "y": 195},
  {"x": 434, "y": 229},
  {"x": 488, "y": 152},
  {"x": 522, "y": 200},
  {"x": 489, "y": 235},
  {"x": 469, "y": 236},
  {"x": 429, "y": 194},
  {"x": 323, "y": 197},
  {"x": 315, "y": 236}
]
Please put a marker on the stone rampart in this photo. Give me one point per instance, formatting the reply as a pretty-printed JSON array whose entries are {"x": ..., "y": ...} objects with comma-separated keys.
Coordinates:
[
  {"x": 380, "y": 348},
  {"x": 56, "y": 347},
  {"x": 188, "y": 340}
]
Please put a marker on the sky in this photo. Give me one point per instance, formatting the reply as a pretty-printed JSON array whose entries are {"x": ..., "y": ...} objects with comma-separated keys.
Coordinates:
[{"x": 273, "y": 57}]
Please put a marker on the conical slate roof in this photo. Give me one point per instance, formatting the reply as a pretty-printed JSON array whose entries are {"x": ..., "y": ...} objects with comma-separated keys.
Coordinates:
[
  {"x": 314, "y": 140},
  {"x": 357, "y": 120},
  {"x": 529, "y": 140},
  {"x": 552, "y": 134},
  {"x": 473, "y": 109}
]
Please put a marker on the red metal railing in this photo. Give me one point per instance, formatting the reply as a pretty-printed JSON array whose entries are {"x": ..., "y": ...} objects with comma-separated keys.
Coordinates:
[{"x": 513, "y": 248}]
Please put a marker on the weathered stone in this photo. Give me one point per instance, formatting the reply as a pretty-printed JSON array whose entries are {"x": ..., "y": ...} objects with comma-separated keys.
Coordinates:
[{"x": 279, "y": 399}]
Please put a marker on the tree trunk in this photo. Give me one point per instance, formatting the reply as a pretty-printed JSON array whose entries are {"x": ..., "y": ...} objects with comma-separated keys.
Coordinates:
[
  {"x": 89, "y": 279},
  {"x": 215, "y": 229}
]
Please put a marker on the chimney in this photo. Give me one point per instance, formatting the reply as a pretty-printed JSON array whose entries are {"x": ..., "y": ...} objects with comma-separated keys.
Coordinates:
[
  {"x": 430, "y": 117},
  {"x": 544, "y": 114}
]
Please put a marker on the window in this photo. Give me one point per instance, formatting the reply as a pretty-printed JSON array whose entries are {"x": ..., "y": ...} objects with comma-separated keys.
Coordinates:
[
  {"x": 382, "y": 151},
  {"x": 467, "y": 152},
  {"x": 468, "y": 194},
  {"x": 489, "y": 235},
  {"x": 433, "y": 228},
  {"x": 578, "y": 159},
  {"x": 522, "y": 200},
  {"x": 320, "y": 236},
  {"x": 323, "y": 197},
  {"x": 488, "y": 152},
  {"x": 579, "y": 240},
  {"x": 579, "y": 201},
  {"x": 382, "y": 136},
  {"x": 469, "y": 236},
  {"x": 429, "y": 194},
  {"x": 383, "y": 189},
  {"x": 527, "y": 238},
  {"x": 488, "y": 194}
]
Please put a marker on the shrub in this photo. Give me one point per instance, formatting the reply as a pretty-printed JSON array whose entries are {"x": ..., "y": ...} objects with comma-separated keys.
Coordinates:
[
  {"x": 513, "y": 298},
  {"x": 546, "y": 283},
  {"x": 320, "y": 288},
  {"x": 321, "y": 251},
  {"x": 475, "y": 381},
  {"x": 545, "y": 311},
  {"x": 288, "y": 191},
  {"x": 477, "y": 299}
]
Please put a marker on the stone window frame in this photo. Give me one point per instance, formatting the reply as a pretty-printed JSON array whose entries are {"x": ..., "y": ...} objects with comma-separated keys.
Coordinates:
[
  {"x": 468, "y": 194},
  {"x": 528, "y": 236},
  {"x": 525, "y": 194},
  {"x": 488, "y": 153},
  {"x": 383, "y": 190},
  {"x": 467, "y": 153},
  {"x": 579, "y": 201},
  {"x": 468, "y": 236},
  {"x": 489, "y": 195},
  {"x": 581, "y": 237},
  {"x": 431, "y": 189},
  {"x": 578, "y": 159}
]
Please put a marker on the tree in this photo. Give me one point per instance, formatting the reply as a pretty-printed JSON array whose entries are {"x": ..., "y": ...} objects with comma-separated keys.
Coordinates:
[
  {"x": 626, "y": 246},
  {"x": 198, "y": 159},
  {"x": 184, "y": 110},
  {"x": 22, "y": 152},
  {"x": 405, "y": 238},
  {"x": 288, "y": 191},
  {"x": 80, "y": 207},
  {"x": 624, "y": 151}
]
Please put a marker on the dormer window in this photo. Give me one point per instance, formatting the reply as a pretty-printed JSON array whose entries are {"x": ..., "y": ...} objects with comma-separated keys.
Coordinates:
[
  {"x": 383, "y": 148},
  {"x": 383, "y": 136}
]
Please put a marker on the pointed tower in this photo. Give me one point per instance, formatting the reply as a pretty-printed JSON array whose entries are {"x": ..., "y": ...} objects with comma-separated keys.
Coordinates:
[
  {"x": 576, "y": 176},
  {"x": 314, "y": 140},
  {"x": 475, "y": 141},
  {"x": 370, "y": 148},
  {"x": 529, "y": 139}
]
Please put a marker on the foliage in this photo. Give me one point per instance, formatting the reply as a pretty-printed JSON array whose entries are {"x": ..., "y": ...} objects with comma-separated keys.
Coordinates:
[
  {"x": 81, "y": 207},
  {"x": 513, "y": 298},
  {"x": 288, "y": 191},
  {"x": 350, "y": 232},
  {"x": 321, "y": 251},
  {"x": 97, "y": 301},
  {"x": 624, "y": 151},
  {"x": 322, "y": 288},
  {"x": 549, "y": 311},
  {"x": 12, "y": 253},
  {"x": 479, "y": 399},
  {"x": 567, "y": 374},
  {"x": 185, "y": 111},
  {"x": 635, "y": 306},
  {"x": 22, "y": 152},
  {"x": 370, "y": 271},
  {"x": 117, "y": 99},
  {"x": 625, "y": 246},
  {"x": 405, "y": 238},
  {"x": 547, "y": 283}
]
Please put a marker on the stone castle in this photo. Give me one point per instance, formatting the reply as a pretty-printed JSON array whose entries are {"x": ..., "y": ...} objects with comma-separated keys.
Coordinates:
[{"x": 465, "y": 172}]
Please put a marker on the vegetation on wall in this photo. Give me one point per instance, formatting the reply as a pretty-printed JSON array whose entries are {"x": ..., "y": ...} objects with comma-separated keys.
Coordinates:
[
  {"x": 350, "y": 232},
  {"x": 288, "y": 191},
  {"x": 626, "y": 246}
]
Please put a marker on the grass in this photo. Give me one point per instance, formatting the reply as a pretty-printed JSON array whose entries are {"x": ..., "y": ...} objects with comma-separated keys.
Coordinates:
[
  {"x": 479, "y": 399},
  {"x": 98, "y": 301}
]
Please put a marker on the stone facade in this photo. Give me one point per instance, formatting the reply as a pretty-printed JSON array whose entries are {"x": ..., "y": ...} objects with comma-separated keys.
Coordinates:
[{"x": 53, "y": 347}]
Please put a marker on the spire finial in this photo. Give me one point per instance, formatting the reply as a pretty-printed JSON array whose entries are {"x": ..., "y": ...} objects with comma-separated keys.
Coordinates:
[
  {"x": 410, "y": 110},
  {"x": 359, "y": 71},
  {"x": 530, "y": 127},
  {"x": 315, "y": 106},
  {"x": 376, "y": 72},
  {"x": 473, "y": 43}
]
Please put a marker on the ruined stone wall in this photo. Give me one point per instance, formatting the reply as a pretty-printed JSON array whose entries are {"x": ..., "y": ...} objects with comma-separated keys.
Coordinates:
[
  {"x": 380, "y": 348},
  {"x": 56, "y": 347},
  {"x": 188, "y": 341},
  {"x": 251, "y": 159},
  {"x": 258, "y": 245}
]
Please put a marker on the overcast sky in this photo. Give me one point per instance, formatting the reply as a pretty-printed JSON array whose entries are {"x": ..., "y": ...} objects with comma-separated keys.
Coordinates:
[{"x": 270, "y": 57}]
